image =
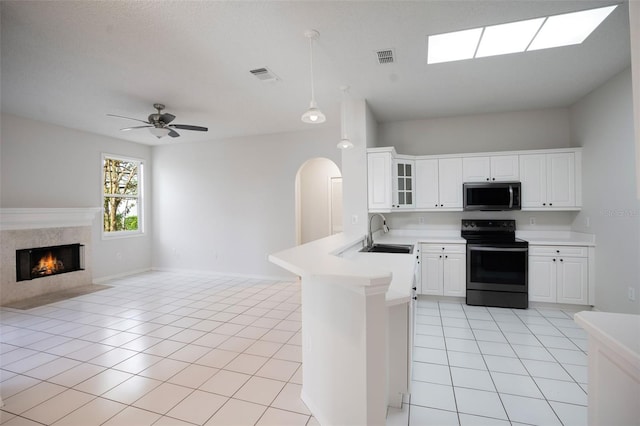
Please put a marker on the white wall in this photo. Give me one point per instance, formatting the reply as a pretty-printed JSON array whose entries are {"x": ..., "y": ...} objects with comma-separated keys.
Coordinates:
[
  {"x": 315, "y": 214},
  {"x": 50, "y": 166},
  {"x": 537, "y": 129},
  {"x": 223, "y": 206},
  {"x": 602, "y": 123},
  {"x": 362, "y": 130}
]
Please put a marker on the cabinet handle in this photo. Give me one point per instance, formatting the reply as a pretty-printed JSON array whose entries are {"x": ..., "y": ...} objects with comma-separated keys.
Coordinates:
[
  {"x": 493, "y": 179},
  {"x": 561, "y": 260},
  {"x": 544, "y": 204},
  {"x": 441, "y": 205},
  {"x": 415, "y": 297},
  {"x": 557, "y": 251},
  {"x": 550, "y": 204},
  {"x": 554, "y": 260},
  {"x": 436, "y": 204},
  {"x": 440, "y": 256},
  {"x": 415, "y": 288},
  {"x": 487, "y": 178},
  {"x": 446, "y": 257}
]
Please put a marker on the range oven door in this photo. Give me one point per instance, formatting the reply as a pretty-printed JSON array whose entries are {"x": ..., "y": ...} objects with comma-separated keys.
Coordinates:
[{"x": 500, "y": 267}]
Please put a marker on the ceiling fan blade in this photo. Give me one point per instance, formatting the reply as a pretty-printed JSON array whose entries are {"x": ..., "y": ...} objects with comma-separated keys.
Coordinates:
[
  {"x": 167, "y": 118},
  {"x": 135, "y": 127},
  {"x": 189, "y": 127},
  {"x": 173, "y": 133},
  {"x": 128, "y": 118}
]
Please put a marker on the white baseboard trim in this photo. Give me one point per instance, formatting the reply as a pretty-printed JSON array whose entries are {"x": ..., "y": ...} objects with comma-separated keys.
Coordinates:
[
  {"x": 103, "y": 280},
  {"x": 322, "y": 419},
  {"x": 206, "y": 273}
]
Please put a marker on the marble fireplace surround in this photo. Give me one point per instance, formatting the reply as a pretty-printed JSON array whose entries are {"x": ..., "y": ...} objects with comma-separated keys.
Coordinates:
[{"x": 41, "y": 227}]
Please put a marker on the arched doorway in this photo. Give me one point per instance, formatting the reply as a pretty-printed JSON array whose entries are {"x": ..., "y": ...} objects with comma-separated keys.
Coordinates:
[{"x": 318, "y": 200}]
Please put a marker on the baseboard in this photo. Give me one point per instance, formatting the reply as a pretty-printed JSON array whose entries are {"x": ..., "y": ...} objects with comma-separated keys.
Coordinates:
[
  {"x": 206, "y": 273},
  {"x": 320, "y": 417},
  {"x": 102, "y": 280}
]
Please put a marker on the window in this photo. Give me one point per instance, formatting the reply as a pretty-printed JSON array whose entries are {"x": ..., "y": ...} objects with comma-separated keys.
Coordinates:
[{"x": 121, "y": 196}]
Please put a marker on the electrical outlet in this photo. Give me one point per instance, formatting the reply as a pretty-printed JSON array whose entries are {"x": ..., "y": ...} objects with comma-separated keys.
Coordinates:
[
  {"x": 421, "y": 220},
  {"x": 631, "y": 294},
  {"x": 354, "y": 219},
  {"x": 532, "y": 221}
]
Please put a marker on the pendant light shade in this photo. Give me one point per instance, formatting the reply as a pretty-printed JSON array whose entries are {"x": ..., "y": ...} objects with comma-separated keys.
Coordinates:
[
  {"x": 345, "y": 142},
  {"x": 313, "y": 115}
]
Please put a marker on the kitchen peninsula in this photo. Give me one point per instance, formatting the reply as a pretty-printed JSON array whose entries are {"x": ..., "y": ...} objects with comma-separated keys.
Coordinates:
[{"x": 355, "y": 327}]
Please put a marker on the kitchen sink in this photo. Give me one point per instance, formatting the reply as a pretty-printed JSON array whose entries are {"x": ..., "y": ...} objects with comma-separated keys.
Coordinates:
[{"x": 389, "y": 248}]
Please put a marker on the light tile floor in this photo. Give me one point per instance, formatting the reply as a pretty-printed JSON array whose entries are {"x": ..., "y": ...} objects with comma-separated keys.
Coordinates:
[
  {"x": 158, "y": 348},
  {"x": 494, "y": 366},
  {"x": 162, "y": 348}
]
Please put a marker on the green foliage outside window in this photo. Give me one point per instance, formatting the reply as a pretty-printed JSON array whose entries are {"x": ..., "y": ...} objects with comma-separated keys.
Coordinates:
[{"x": 121, "y": 195}]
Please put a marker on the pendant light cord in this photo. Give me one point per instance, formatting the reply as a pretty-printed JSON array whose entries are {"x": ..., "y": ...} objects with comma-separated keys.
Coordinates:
[{"x": 313, "y": 97}]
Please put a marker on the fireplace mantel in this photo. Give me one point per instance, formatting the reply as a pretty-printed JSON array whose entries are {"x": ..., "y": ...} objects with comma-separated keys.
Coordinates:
[{"x": 37, "y": 218}]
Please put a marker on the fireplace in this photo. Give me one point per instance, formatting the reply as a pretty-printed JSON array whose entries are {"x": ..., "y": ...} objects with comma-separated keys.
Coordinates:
[{"x": 47, "y": 261}]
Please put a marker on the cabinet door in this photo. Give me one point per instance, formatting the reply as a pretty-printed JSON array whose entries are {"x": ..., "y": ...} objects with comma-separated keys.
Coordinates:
[
  {"x": 476, "y": 169},
  {"x": 572, "y": 280},
  {"x": 533, "y": 175},
  {"x": 561, "y": 185},
  {"x": 542, "y": 279},
  {"x": 426, "y": 182},
  {"x": 505, "y": 168},
  {"x": 403, "y": 171},
  {"x": 379, "y": 181},
  {"x": 431, "y": 274},
  {"x": 450, "y": 182},
  {"x": 454, "y": 275}
]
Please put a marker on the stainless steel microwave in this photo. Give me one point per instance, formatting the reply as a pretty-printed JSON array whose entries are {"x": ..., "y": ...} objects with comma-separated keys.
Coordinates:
[{"x": 491, "y": 196}]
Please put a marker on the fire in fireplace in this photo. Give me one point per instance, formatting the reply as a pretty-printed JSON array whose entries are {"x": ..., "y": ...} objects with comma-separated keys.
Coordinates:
[
  {"x": 48, "y": 264},
  {"x": 46, "y": 261}
]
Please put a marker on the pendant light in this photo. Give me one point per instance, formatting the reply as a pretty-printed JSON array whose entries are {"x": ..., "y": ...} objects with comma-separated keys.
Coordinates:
[
  {"x": 313, "y": 114},
  {"x": 345, "y": 142}
]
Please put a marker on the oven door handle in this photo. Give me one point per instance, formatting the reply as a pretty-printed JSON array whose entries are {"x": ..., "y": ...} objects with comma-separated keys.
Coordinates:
[
  {"x": 476, "y": 248},
  {"x": 510, "y": 196}
]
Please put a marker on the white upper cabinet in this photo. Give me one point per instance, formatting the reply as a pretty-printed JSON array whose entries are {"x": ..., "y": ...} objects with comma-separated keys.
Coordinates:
[
  {"x": 499, "y": 168},
  {"x": 427, "y": 182},
  {"x": 549, "y": 181},
  {"x": 450, "y": 184},
  {"x": 379, "y": 181},
  {"x": 438, "y": 184},
  {"x": 403, "y": 184}
]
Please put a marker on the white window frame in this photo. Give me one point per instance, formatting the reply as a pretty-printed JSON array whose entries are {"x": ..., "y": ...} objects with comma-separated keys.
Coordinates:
[{"x": 140, "y": 203}]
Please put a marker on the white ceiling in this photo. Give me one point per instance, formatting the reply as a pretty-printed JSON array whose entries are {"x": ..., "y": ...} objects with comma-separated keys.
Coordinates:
[{"x": 71, "y": 63}]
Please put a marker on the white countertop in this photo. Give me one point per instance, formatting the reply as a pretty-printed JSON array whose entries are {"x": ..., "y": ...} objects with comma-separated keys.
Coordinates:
[
  {"x": 619, "y": 332},
  {"x": 557, "y": 238},
  {"x": 339, "y": 256}
]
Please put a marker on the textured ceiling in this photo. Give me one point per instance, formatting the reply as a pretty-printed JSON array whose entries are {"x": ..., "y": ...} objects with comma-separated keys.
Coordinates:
[{"x": 71, "y": 63}]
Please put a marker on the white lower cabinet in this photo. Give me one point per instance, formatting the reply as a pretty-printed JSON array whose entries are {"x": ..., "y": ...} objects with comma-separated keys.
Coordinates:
[
  {"x": 443, "y": 269},
  {"x": 559, "y": 274}
]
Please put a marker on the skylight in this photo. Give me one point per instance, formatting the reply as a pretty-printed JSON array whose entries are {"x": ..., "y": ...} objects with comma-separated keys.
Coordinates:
[{"x": 514, "y": 37}]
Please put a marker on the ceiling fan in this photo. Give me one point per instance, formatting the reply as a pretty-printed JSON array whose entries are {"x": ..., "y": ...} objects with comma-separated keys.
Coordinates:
[{"x": 158, "y": 124}]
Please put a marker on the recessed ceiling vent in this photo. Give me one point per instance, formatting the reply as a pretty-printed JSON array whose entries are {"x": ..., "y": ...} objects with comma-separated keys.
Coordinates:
[
  {"x": 385, "y": 56},
  {"x": 264, "y": 74}
]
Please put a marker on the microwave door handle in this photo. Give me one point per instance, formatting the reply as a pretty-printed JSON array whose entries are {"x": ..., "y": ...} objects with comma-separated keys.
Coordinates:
[{"x": 510, "y": 196}]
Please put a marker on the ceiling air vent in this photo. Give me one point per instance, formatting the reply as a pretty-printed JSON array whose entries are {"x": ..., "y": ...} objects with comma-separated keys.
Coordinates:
[
  {"x": 385, "y": 56},
  {"x": 264, "y": 74}
]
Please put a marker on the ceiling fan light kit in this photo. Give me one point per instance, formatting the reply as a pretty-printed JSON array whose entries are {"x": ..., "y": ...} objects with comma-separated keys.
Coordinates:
[
  {"x": 313, "y": 115},
  {"x": 158, "y": 124}
]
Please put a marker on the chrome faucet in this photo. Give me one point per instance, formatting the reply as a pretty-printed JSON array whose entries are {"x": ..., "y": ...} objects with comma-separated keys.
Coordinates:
[{"x": 385, "y": 228}]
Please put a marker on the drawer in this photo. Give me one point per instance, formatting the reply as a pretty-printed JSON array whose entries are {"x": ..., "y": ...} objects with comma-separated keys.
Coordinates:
[
  {"x": 569, "y": 251},
  {"x": 443, "y": 248}
]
